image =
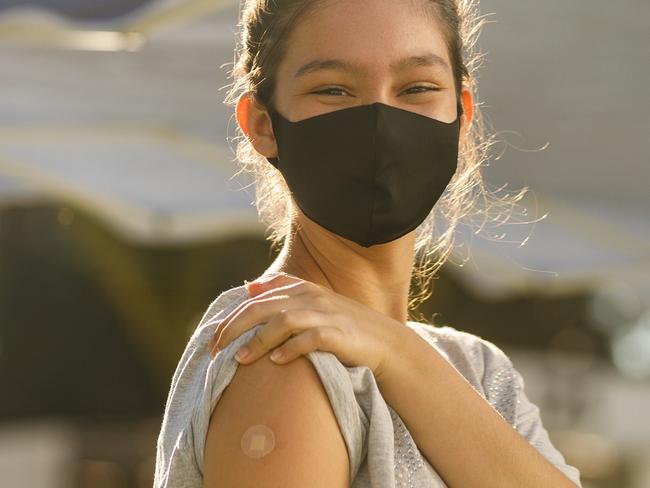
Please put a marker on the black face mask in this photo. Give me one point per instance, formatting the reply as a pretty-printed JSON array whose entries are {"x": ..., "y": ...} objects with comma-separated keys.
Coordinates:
[{"x": 369, "y": 173}]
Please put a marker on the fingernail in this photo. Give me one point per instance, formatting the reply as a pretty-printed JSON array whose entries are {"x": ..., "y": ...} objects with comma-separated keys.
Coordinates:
[{"x": 241, "y": 353}]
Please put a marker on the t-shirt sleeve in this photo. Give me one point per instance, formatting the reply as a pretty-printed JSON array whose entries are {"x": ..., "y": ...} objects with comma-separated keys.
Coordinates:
[
  {"x": 529, "y": 424},
  {"x": 504, "y": 389}
]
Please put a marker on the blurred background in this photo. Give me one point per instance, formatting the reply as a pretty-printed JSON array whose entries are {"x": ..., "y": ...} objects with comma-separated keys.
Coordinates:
[{"x": 121, "y": 220}]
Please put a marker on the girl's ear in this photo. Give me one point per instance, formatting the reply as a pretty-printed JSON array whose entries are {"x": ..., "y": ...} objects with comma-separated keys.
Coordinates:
[
  {"x": 255, "y": 121},
  {"x": 468, "y": 109},
  {"x": 243, "y": 106}
]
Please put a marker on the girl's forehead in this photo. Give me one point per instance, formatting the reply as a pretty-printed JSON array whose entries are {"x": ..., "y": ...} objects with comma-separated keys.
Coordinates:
[
  {"x": 350, "y": 32},
  {"x": 366, "y": 19}
]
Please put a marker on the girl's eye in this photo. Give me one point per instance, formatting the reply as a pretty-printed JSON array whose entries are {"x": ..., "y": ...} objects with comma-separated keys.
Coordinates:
[
  {"x": 423, "y": 88},
  {"x": 327, "y": 90}
]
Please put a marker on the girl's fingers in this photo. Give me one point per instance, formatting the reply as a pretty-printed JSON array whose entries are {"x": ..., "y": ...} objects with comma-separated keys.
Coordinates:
[
  {"x": 312, "y": 339},
  {"x": 238, "y": 309},
  {"x": 279, "y": 329},
  {"x": 250, "y": 312}
]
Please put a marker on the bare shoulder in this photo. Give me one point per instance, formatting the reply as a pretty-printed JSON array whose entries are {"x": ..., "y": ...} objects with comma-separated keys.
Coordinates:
[{"x": 289, "y": 400}]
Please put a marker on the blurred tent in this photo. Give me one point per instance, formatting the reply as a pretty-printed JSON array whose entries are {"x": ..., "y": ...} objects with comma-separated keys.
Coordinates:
[
  {"x": 140, "y": 159},
  {"x": 98, "y": 25},
  {"x": 152, "y": 184},
  {"x": 80, "y": 9}
]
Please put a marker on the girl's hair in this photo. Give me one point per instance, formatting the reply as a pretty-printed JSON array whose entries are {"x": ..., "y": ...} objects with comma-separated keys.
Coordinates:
[{"x": 264, "y": 29}]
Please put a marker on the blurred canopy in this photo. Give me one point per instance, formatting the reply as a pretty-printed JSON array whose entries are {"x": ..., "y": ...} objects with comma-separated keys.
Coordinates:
[{"x": 81, "y": 9}]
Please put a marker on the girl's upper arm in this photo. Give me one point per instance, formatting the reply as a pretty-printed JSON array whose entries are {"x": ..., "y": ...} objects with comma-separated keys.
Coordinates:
[{"x": 291, "y": 402}]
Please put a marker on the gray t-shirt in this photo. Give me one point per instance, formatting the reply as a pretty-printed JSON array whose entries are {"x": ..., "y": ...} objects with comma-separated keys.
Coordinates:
[{"x": 381, "y": 451}]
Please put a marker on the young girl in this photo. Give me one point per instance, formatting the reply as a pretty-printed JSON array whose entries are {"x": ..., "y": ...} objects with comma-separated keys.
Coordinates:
[{"x": 359, "y": 121}]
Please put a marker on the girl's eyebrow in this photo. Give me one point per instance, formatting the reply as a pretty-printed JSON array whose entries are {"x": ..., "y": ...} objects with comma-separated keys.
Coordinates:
[{"x": 427, "y": 59}]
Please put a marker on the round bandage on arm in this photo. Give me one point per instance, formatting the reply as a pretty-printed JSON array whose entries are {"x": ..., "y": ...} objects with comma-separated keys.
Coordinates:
[{"x": 257, "y": 441}]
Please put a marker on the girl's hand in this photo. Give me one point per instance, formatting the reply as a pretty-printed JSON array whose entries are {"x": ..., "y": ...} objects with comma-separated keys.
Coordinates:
[{"x": 302, "y": 316}]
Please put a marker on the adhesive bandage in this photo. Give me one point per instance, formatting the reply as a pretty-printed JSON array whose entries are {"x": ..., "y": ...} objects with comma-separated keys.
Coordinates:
[{"x": 257, "y": 441}]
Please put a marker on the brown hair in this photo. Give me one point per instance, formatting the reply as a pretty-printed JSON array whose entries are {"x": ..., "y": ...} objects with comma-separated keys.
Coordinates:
[{"x": 264, "y": 29}]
